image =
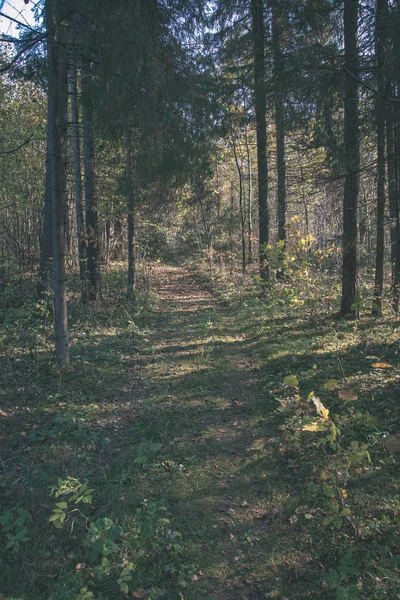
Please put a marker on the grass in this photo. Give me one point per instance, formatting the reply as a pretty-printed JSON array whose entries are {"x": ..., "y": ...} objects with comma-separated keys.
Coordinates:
[{"x": 202, "y": 488}]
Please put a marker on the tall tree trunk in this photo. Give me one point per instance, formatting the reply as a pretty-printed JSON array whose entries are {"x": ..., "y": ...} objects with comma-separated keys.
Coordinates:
[
  {"x": 350, "y": 272},
  {"x": 396, "y": 270},
  {"x": 249, "y": 203},
  {"x": 58, "y": 99},
  {"x": 131, "y": 216},
  {"x": 241, "y": 210},
  {"x": 393, "y": 200},
  {"x": 76, "y": 155},
  {"x": 258, "y": 35},
  {"x": 381, "y": 13},
  {"x": 46, "y": 253},
  {"x": 277, "y": 31},
  {"x": 92, "y": 228}
]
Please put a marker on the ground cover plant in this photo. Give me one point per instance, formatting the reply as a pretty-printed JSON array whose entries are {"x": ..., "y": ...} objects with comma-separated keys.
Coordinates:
[{"x": 204, "y": 446}]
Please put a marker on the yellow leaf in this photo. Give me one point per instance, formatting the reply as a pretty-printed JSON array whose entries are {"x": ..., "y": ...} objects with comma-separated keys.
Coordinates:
[
  {"x": 331, "y": 384},
  {"x": 319, "y": 425},
  {"x": 274, "y": 594},
  {"x": 291, "y": 381},
  {"x": 381, "y": 365},
  {"x": 321, "y": 410},
  {"x": 348, "y": 394}
]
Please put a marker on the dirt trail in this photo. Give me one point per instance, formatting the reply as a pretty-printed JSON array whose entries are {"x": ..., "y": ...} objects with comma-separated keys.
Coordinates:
[{"x": 202, "y": 389}]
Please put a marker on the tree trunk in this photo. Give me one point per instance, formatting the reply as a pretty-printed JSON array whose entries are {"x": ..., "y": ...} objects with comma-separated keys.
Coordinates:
[
  {"x": 393, "y": 200},
  {"x": 258, "y": 35},
  {"x": 396, "y": 270},
  {"x": 76, "y": 154},
  {"x": 277, "y": 31},
  {"x": 58, "y": 99},
  {"x": 241, "y": 210},
  {"x": 250, "y": 203},
  {"x": 350, "y": 272},
  {"x": 43, "y": 286},
  {"x": 381, "y": 12},
  {"x": 92, "y": 229},
  {"x": 131, "y": 217}
]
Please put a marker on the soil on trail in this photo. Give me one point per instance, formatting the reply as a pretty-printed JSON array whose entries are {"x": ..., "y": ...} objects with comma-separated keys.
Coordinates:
[{"x": 201, "y": 387}]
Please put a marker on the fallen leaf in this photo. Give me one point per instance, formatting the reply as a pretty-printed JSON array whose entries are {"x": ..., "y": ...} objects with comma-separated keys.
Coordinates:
[
  {"x": 348, "y": 394},
  {"x": 140, "y": 593},
  {"x": 258, "y": 444},
  {"x": 274, "y": 594},
  {"x": 381, "y": 365},
  {"x": 80, "y": 566}
]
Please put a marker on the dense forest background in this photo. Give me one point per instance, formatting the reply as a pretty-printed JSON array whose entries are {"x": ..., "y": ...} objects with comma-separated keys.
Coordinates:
[
  {"x": 252, "y": 133},
  {"x": 255, "y": 146}
]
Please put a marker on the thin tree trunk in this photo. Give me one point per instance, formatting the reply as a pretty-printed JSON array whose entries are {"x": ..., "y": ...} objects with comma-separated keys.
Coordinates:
[
  {"x": 43, "y": 286},
  {"x": 131, "y": 217},
  {"x": 277, "y": 31},
  {"x": 118, "y": 234},
  {"x": 381, "y": 12},
  {"x": 350, "y": 272},
  {"x": 250, "y": 203},
  {"x": 396, "y": 270},
  {"x": 393, "y": 200},
  {"x": 241, "y": 210},
  {"x": 76, "y": 155},
  {"x": 92, "y": 229},
  {"x": 58, "y": 99},
  {"x": 257, "y": 14}
]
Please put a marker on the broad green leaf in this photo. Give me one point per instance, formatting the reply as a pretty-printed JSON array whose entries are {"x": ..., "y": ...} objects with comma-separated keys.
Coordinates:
[
  {"x": 331, "y": 384},
  {"x": 291, "y": 381}
]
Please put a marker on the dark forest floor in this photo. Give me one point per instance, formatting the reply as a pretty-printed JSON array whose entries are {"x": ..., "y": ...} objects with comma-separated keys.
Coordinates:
[{"x": 202, "y": 488}]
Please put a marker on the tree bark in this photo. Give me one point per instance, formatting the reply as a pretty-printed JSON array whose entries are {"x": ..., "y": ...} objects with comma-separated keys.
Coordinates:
[
  {"x": 258, "y": 35},
  {"x": 76, "y": 155},
  {"x": 44, "y": 286},
  {"x": 350, "y": 272},
  {"x": 58, "y": 99},
  {"x": 241, "y": 210},
  {"x": 131, "y": 216},
  {"x": 381, "y": 12},
  {"x": 278, "y": 62},
  {"x": 249, "y": 203},
  {"x": 393, "y": 202},
  {"x": 92, "y": 229}
]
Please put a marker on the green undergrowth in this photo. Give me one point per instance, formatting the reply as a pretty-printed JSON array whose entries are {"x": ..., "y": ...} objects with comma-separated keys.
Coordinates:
[{"x": 226, "y": 447}]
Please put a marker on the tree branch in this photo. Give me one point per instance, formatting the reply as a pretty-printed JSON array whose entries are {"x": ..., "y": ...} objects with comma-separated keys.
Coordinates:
[
  {"x": 368, "y": 87},
  {"x": 18, "y": 147}
]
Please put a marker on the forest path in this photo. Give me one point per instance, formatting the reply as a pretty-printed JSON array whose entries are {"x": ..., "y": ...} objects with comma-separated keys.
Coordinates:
[{"x": 205, "y": 402}]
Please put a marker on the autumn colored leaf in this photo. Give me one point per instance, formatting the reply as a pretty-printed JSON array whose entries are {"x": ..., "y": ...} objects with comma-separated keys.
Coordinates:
[
  {"x": 140, "y": 593},
  {"x": 258, "y": 444},
  {"x": 381, "y": 365},
  {"x": 348, "y": 394}
]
